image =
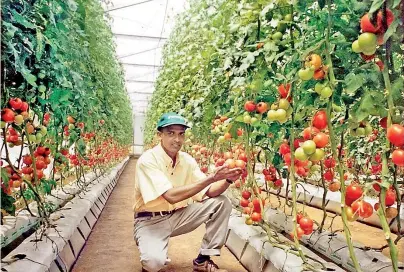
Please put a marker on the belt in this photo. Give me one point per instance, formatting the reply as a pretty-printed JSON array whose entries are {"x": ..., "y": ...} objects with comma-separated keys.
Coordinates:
[{"x": 152, "y": 214}]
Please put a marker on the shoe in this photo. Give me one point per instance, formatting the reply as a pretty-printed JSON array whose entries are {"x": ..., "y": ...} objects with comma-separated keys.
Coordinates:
[{"x": 207, "y": 266}]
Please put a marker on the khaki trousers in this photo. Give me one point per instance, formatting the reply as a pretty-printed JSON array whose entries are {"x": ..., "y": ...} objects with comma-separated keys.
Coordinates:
[{"x": 152, "y": 233}]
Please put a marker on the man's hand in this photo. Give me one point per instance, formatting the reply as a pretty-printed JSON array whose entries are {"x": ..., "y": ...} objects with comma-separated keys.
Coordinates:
[{"x": 224, "y": 172}]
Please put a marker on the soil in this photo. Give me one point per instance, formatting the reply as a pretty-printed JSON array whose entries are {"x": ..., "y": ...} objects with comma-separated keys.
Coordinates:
[{"x": 110, "y": 246}]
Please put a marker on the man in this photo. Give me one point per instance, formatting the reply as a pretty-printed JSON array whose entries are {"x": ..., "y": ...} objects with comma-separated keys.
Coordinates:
[{"x": 166, "y": 179}]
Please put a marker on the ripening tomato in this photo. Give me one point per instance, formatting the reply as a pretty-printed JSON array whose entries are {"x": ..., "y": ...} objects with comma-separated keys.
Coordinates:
[
  {"x": 284, "y": 149},
  {"x": 362, "y": 208},
  {"x": 230, "y": 163},
  {"x": 249, "y": 106},
  {"x": 244, "y": 202},
  {"x": 242, "y": 157},
  {"x": 240, "y": 164},
  {"x": 262, "y": 107},
  {"x": 310, "y": 132},
  {"x": 300, "y": 233},
  {"x": 313, "y": 61},
  {"x": 368, "y": 26},
  {"x": 334, "y": 186},
  {"x": 287, "y": 158},
  {"x": 256, "y": 216},
  {"x": 321, "y": 140},
  {"x": 284, "y": 90}
]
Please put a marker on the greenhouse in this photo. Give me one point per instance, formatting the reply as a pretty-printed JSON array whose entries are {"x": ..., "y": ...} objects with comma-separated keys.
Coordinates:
[{"x": 202, "y": 135}]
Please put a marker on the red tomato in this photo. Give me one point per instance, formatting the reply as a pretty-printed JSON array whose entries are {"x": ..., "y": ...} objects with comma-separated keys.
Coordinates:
[
  {"x": 383, "y": 122},
  {"x": 287, "y": 158},
  {"x": 390, "y": 197},
  {"x": 320, "y": 120},
  {"x": 329, "y": 163},
  {"x": 306, "y": 223},
  {"x": 246, "y": 194},
  {"x": 300, "y": 233},
  {"x": 353, "y": 192},
  {"x": 244, "y": 202},
  {"x": 395, "y": 134},
  {"x": 284, "y": 149},
  {"x": 398, "y": 157},
  {"x": 329, "y": 175},
  {"x": 257, "y": 205}
]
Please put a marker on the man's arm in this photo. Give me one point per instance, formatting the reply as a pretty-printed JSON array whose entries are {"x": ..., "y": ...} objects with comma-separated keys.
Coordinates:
[{"x": 181, "y": 193}]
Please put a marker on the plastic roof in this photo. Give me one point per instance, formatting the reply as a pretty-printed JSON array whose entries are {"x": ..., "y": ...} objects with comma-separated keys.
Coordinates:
[{"x": 140, "y": 28}]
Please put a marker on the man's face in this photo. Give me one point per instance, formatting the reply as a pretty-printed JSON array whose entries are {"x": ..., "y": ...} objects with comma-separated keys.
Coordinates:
[{"x": 172, "y": 138}]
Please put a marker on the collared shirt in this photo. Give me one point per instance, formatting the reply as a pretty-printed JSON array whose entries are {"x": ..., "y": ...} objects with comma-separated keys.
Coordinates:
[{"x": 155, "y": 175}]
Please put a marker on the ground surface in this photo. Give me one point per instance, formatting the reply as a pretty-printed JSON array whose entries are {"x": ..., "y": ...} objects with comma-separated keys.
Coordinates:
[{"x": 111, "y": 247}]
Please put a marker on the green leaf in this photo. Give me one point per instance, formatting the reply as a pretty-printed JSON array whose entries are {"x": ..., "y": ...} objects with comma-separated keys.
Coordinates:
[
  {"x": 39, "y": 45},
  {"x": 372, "y": 103},
  {"x": 392, "y": 30},
  {"x": 396, "y": 3},
  {"x": 397, "y": 88},
  {"x": 30, "y": 78},
  {"x": 376, "y": 4},
  {"x": 353, "y": 82},
  {"x": 22, "y": 20},
  {"x": 7, "y": 203}
]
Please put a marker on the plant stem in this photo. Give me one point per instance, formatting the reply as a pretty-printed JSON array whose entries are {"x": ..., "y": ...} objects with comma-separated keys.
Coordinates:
[{"x": 333, "y": 144}]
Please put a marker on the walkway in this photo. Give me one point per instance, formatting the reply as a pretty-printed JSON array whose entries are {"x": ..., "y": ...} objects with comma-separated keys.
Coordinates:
[{"x": 110, "y": 246}]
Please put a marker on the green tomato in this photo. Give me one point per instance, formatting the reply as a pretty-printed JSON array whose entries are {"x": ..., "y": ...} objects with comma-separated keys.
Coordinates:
[
  {"x": 42, "y": 88},
  {"x": 370, "y": 52},
  {"x": 367, "y": 41},
  {"x": 71, "y": 126},
  {"x": 288, "y": 17},
  {"x": 221, "y": 139},
  {"x": 44, "y": 130},
  {"x": 318, "y": 155},
  {"x": 254, "y": 120},
  {"x": 309, "y": 147},
  {"x": 289, "y": 112},
  {"x": 360, "y": 131},
  {"x": 355, "y": 47},
  {"x": 300, "y": 154},
  {"x": 277, "y": 36},
  {"x": 41, "y": 75},
  {"x": 32, "y": 138},
  {"x": 217, "y": 130},
  {"x": 305, "y": 74},
  {"x": 280, "y": 114},
  {"x": 281, "y": 27},
  {"x": 368, "y": 129},
  {"x": 247, "y": 119},
  {"x": 271, "y": 115},
  {"x": 319, "y": 87},
  {"x": 19, "y": 119},
  {"x": 326, "y": 92},
  {"x": 2, "y": 124},
  {"x": 284, "y": 104}
]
